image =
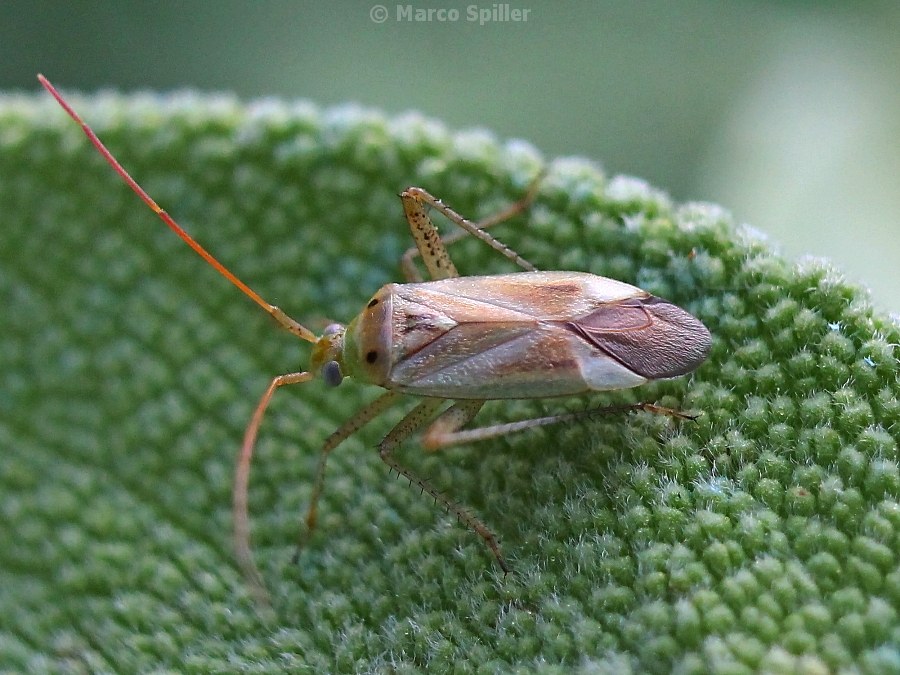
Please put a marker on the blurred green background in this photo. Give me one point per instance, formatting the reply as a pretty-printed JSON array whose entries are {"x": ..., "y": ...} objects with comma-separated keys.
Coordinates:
[{"x": 787, "y": 113}]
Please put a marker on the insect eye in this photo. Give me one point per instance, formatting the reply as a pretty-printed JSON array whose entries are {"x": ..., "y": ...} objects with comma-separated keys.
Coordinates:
[
  {"x": 332, "y": 329},
  {"x": 331, "y": 373}
]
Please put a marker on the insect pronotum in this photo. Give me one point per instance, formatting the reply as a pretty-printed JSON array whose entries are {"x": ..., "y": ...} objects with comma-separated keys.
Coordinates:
[{"x": 459, "y": 341}]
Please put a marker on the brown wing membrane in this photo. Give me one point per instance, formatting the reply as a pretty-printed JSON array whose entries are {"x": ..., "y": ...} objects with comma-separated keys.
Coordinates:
[{"x": 649, "y": 336}]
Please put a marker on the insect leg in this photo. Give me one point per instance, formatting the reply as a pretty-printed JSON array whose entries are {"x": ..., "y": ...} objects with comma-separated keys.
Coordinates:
[
  {"x": 414, "y": 420},
  {"x": 411, "y": 271},
  {"x": 514, "y": 209},
  {"x": 241, "y": 517},
  {"x": 446, "y": 436},
  {"x": 345, "y": 431},
  {"x": 428, "y": 242},
  {"x": 414, "y": 202},
  {"x": 450, "y": 421}
]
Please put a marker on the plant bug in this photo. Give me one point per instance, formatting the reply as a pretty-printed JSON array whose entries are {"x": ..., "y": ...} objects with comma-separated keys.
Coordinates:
[{"x": 459, "y": 341}]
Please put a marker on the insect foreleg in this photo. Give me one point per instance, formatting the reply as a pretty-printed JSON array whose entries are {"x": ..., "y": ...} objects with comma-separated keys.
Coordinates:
[
  {"x": 414, "y": 420},
  {"x": 345, "y": 431}
]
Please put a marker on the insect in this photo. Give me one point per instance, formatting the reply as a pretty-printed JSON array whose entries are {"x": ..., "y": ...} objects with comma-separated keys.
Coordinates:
[{"x": 459, "y": 341}]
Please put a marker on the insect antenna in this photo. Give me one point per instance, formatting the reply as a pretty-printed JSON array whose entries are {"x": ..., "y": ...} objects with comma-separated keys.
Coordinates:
[{"x": 278, "y": 314}]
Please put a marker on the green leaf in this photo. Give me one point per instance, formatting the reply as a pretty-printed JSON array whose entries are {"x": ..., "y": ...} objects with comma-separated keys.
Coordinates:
[{"x": 763, "y": 536}]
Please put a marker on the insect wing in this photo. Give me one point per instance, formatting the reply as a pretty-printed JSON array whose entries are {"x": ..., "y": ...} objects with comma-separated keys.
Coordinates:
[
  {"x": 545, "y": 296},
  {"x": 650, "y": 336},
  {"x": 512, "y": 336}
]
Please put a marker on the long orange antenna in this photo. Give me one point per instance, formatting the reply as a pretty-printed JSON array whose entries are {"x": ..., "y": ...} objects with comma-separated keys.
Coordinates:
[{"x": 277, "y": 313}]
